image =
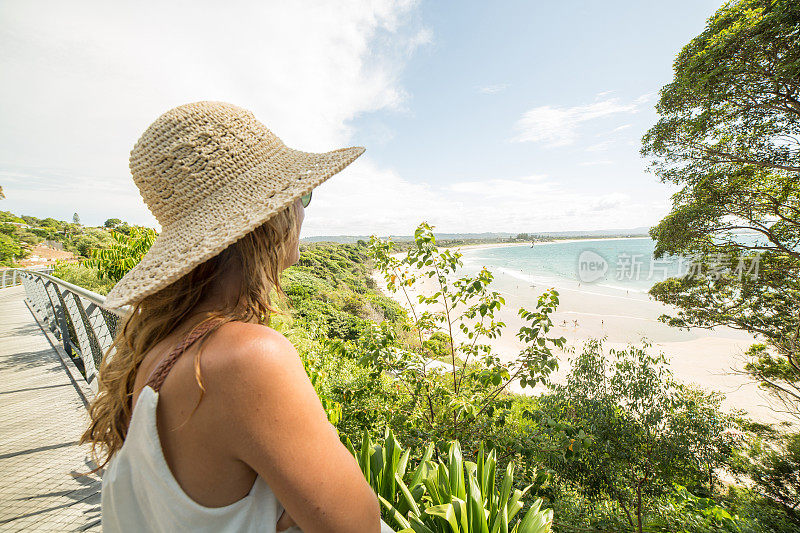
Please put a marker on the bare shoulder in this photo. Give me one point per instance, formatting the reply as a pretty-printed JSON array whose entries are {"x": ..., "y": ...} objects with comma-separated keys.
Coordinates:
[
  {"x": 241, "y": 354},
  {"x": 241, "y": 343},
  {"x": 266, "y": 414}
]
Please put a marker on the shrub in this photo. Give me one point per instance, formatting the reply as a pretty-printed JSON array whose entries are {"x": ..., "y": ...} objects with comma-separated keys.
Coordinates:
[{"x": 455, "y": 495}]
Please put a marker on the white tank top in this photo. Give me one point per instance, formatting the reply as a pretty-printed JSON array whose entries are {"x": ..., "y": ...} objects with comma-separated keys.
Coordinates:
[{"x": 140, "y": 493}]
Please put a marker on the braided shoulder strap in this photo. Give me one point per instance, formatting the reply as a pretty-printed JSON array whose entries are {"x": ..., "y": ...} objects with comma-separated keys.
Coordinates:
[{"x": 160, "y": 372}]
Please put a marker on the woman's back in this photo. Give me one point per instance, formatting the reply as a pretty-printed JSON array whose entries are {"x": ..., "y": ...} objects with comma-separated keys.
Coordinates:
[
  {"x": 141, "y": 494},
  {"x": 189, "y": 442},
  {"x": 140, "y": 491}
]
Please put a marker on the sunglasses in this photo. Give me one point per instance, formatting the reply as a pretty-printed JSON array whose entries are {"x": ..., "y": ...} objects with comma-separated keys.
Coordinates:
[{"x": 306, "y": 199}]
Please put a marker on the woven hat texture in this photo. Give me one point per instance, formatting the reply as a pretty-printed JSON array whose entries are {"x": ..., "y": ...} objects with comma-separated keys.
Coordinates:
[{"x": 210, "y": 173}]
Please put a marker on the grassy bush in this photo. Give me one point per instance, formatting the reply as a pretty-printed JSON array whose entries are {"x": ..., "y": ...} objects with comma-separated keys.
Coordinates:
[{"x": 83, "y": 276}]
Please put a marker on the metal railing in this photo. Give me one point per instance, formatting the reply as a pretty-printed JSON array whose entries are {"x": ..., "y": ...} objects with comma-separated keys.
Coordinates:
[
  {"x": 74, "y": 315},
  {"x": 10, "y": 276}
]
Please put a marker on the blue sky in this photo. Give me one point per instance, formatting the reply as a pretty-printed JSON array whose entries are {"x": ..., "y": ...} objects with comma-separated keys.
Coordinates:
[{"x": 476, "y": 116}]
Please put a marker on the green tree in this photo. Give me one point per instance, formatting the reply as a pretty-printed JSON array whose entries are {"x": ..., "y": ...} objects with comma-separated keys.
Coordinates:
[
  {"x": 773, "y": 463},
  {"x": 91, "y": 239},
  {"x": 9, "y": 249},
  {"x": 647, "y": 430},
  {"x": 71, "y": 229},
  {"x": 23, "y": 236},
  {"x": 729, "y": 137},
  {"x": 112, "y": 223},
  {"x": 48, "y": 222},
  {"x": 466, "y": 398},
  {"x": 8, "y": 216},
  {"x": 76, "y": 219},
  {"x": 119, "y": 258},
  {"x": 123, "y": 227}
]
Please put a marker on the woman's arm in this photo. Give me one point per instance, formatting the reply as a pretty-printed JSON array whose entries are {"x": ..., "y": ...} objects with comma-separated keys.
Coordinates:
[{"x": 275, "y": 423}]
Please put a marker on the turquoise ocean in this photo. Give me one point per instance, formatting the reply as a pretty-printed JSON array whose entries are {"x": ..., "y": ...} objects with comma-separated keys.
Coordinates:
[{"x": 611, "y": 264}]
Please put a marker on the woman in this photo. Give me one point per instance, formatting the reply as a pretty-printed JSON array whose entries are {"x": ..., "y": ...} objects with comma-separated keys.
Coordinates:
[{"x": 205, "y": 417}]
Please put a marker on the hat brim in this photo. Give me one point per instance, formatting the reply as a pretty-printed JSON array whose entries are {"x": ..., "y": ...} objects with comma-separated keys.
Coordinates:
[{"x": 223, "y": 218}]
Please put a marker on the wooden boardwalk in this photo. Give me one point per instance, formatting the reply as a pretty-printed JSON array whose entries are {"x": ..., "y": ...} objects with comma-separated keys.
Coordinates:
[{"x": 42, "y": 415}]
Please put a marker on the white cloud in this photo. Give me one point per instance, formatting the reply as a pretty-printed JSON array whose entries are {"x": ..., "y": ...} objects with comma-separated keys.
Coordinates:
[
  {"x": 609, "y": 201},
  {"x": 558, "y": 126},
  {"x": 364, "y": 198},
  {"x": 596, "y": 163},
  {"x": 58, "y": 194},
  {"x": 534, "y": 177},
  {"x": 387, "y": 203},
  {"x": 646, "y": 97},
  {"x": 493, "y": 89},
  {"x": 620, "y": 128},
  {"x": 497, "y": 188},
  {"x": 84, "y": 78},
  {"x": 599, "y": 147}
]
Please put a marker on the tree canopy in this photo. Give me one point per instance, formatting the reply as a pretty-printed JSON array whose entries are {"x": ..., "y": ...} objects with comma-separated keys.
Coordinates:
[{"x": 729, "y": 136}]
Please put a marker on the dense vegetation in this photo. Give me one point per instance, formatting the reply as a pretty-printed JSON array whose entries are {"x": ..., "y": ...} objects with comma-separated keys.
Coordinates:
[{"x": 19, "y": 233}]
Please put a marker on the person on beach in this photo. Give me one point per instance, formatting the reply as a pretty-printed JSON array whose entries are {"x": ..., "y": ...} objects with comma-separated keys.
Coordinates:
[{"x": 205, "y": 419}]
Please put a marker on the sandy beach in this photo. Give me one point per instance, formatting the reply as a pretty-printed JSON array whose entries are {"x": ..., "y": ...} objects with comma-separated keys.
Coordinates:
[{"x": 706, "y": 358}]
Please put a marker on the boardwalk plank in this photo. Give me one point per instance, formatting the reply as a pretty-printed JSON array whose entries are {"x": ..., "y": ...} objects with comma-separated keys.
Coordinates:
[{"x": 42, "y": 416}]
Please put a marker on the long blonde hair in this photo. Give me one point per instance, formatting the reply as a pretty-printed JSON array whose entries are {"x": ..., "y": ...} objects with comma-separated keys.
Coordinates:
[{"x": 259, "y": 255}]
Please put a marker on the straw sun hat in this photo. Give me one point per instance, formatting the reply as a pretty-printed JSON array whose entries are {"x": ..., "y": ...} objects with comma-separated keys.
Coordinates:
[{"x": 211, "y": 173}]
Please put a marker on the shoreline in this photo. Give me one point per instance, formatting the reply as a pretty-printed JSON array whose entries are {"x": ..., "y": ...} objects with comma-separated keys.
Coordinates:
[
  {"x": 705, "y": 358},
  {"x": 479, "y": 246}
]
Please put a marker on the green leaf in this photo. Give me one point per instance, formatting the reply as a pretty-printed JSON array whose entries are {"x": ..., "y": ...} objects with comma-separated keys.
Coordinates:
[
  {"x": 446, "y": 512},
  {"x": 394, "y": 513},
  {"x": 406, "y": 496}
]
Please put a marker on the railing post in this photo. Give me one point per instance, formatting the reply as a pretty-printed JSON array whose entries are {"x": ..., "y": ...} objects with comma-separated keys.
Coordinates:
[
  {"x": 48, "y": 306},
  {"x": 100, "y": 326},
  {"x": 62, "y": 321},
  {"x": 61, "y": 316},
  {"x": 72, "y": 305}
]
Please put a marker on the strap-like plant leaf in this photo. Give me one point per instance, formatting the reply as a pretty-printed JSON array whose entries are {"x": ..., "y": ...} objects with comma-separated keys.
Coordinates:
[
  {"x": 394, "y": 513},
  {"x": 515, "y": 504},
  {"x": 460, "y": 510},
  {"x": 446, "y": 512},
  {"x": 421, "y": 472},
  {"x": 478, "y": 514},
  {"x": 376, "y": 466},
  {"x": 462, "y": 495},
  {"x": 505, "y": 490},
  {"x": 536, "y": 520},
  {"x": 364, "y": 457},
  {"x": 443, "y": 479},
  {"x": 403, "y": 463},
  {"x": 490, "y": 469},
  {"x": 407, "y": 501},
  {"x": 418, "y": 526},
  {"x": 456, "y": 471}
]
